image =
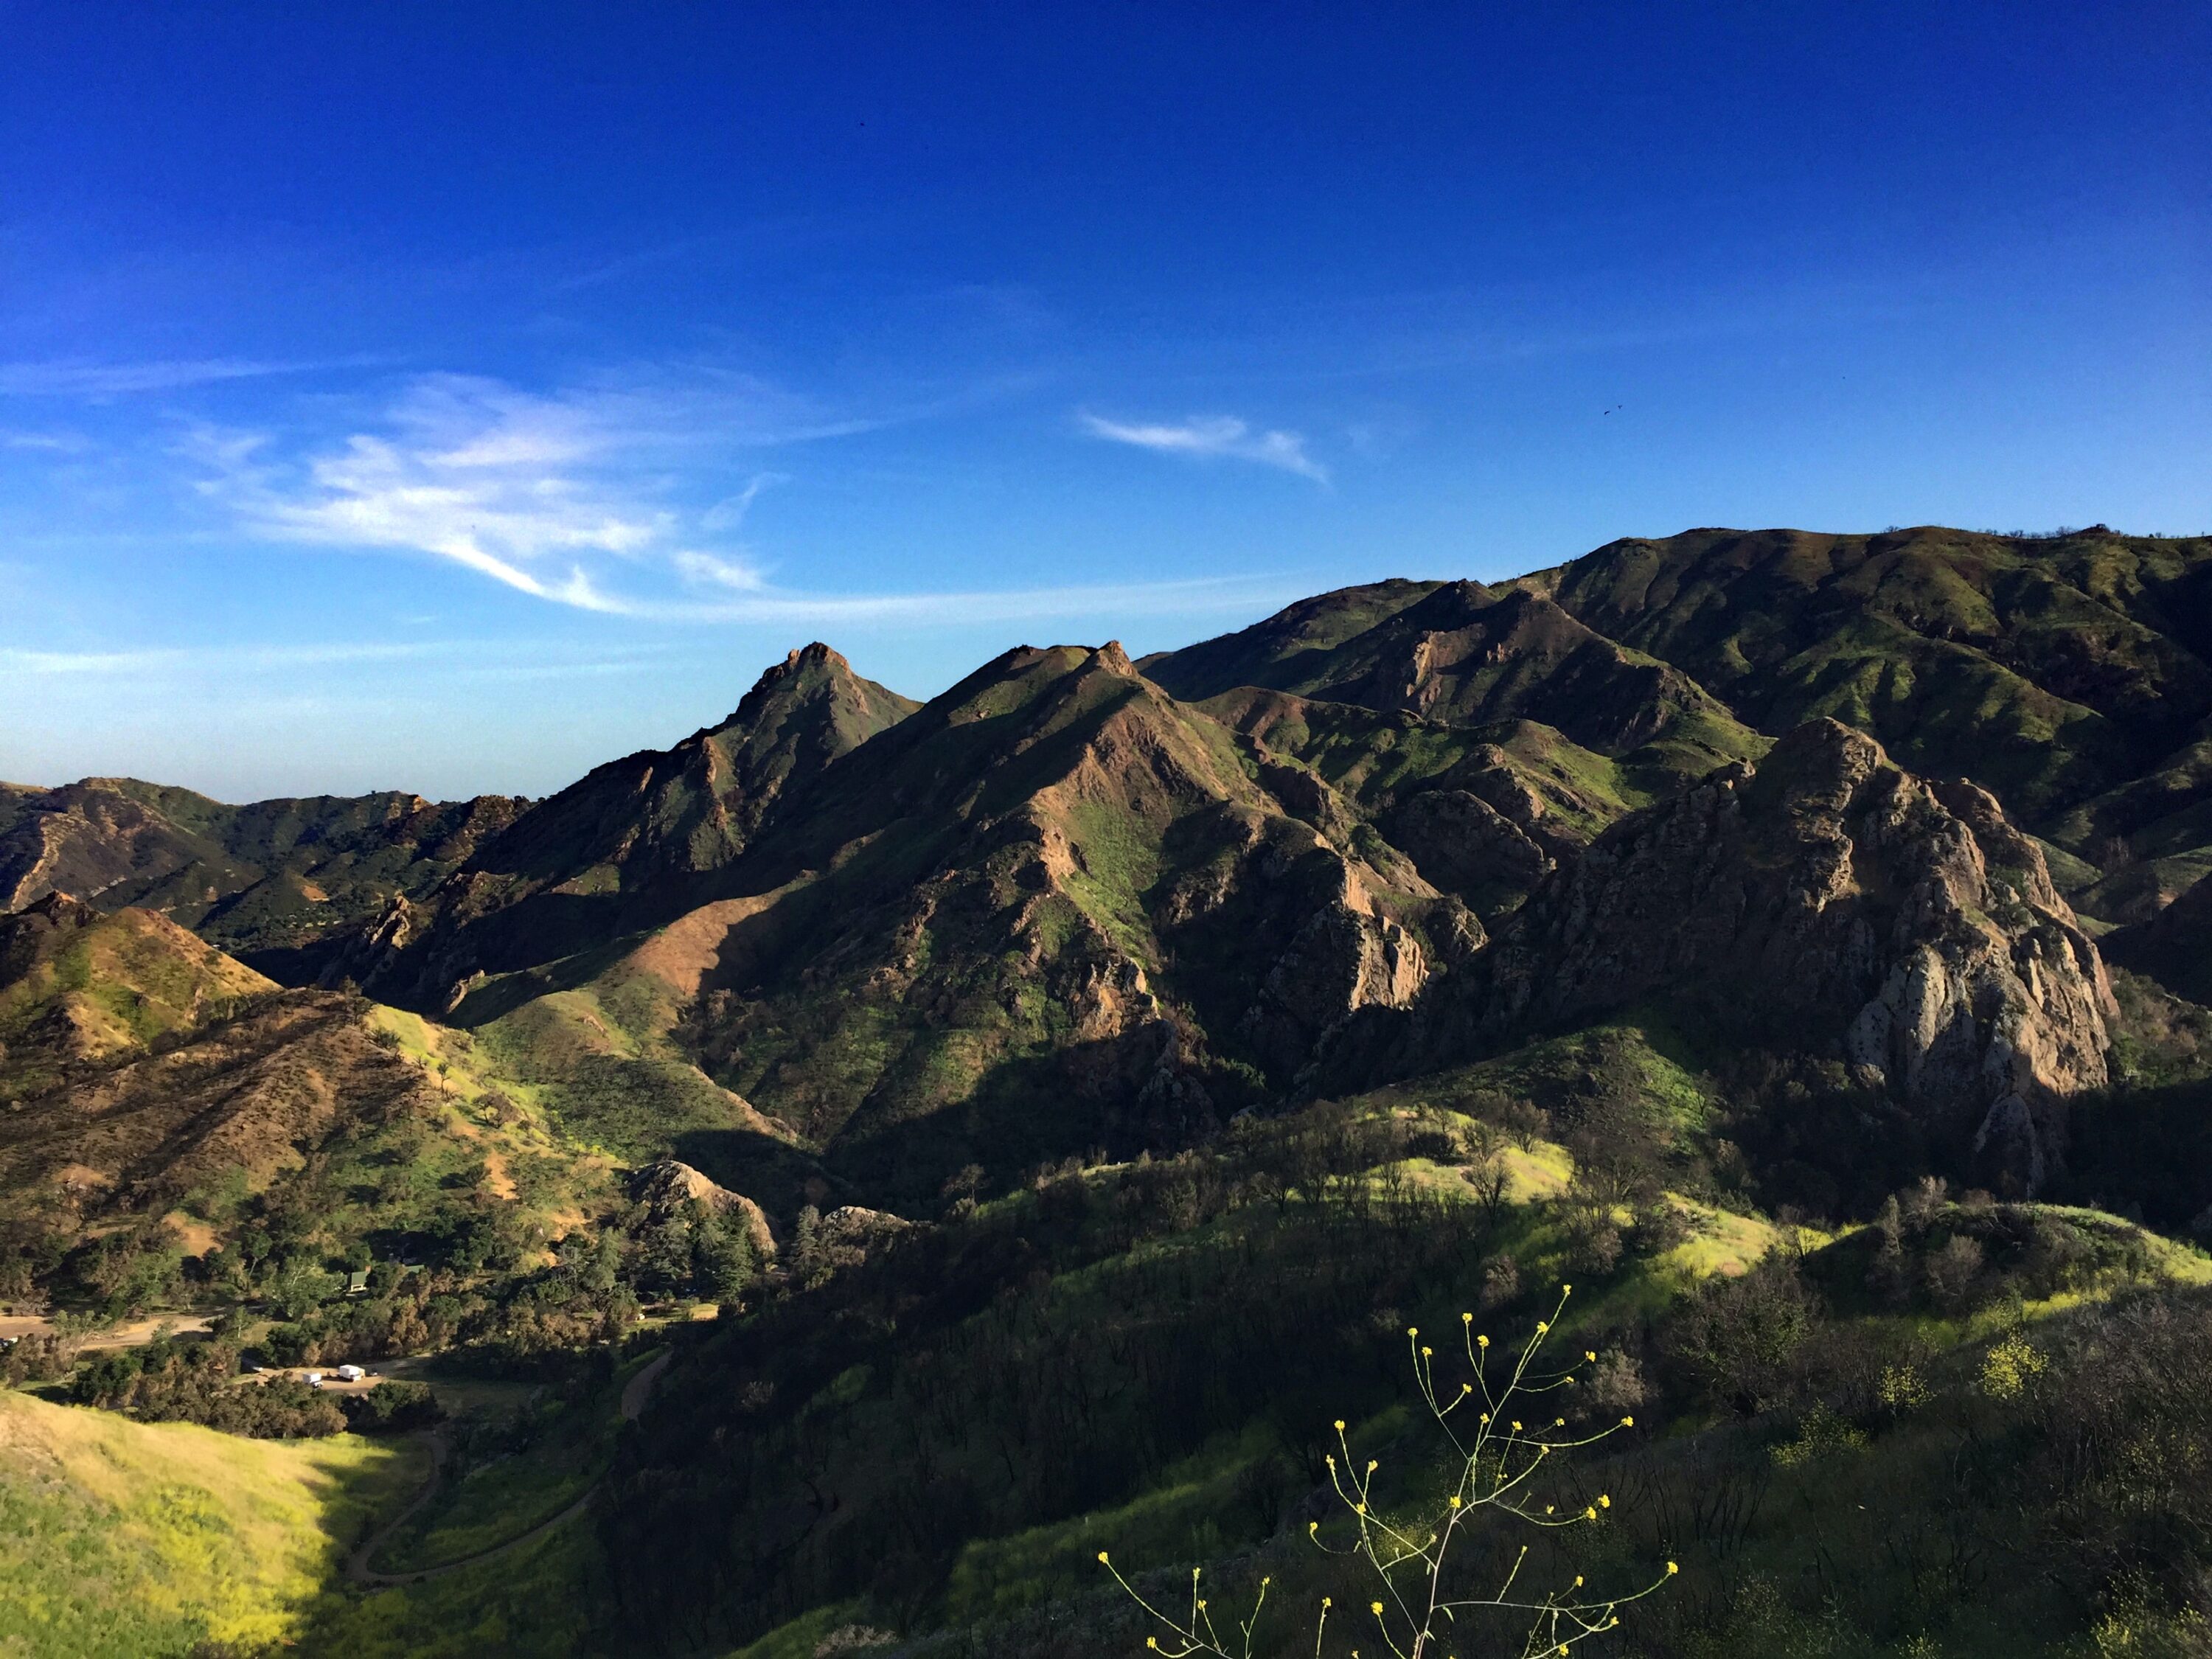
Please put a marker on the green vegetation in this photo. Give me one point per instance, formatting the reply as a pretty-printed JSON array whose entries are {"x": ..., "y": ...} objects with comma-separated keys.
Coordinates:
[
  {"x": 505, "y": 1474},
  {"x": 543, "y": 1598},
  {"x": 126, "y": 1540},
  {"x": 1079, "y": 1094},
  {"x": 1500, "y": 1468}
]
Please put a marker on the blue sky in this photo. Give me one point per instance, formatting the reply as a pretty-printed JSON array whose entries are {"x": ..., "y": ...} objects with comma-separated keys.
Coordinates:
[{"x": 449, "y": 397}]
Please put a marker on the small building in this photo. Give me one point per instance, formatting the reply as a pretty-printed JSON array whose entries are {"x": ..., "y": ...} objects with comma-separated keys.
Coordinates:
[{"x": 357, "y": 1282}]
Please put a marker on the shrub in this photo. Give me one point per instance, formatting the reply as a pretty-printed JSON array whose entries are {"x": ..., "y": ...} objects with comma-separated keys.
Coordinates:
[
  {"x": 1953, "y": 1273},
  {"x": 2011, "y": 1367},
  {"x": 392, "y": 1407},
  {"x": 1738, "y": 1337},
  {"x": 1497, "y": 1462},
  {"x": 1501, "y": 1283}
]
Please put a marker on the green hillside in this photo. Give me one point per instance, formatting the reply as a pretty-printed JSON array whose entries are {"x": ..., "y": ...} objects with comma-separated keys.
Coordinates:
[
  {"x": 840, "y": 1174},
  {"x": 2050, "y": 670},
  {"x": 121, "y": 1541}
]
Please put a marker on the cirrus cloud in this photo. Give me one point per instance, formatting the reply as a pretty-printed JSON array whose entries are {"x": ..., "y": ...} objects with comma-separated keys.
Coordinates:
[
  {"x": 584, "y": 497},
  {"x": 1212, "y": 435},
  {"x": 551, "y": 495}
]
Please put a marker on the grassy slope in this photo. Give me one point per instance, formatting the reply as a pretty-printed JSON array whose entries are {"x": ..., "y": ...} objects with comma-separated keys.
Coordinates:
[
  {"x": 119, "y": 984},
  {"x": 132, "y": 1540},
  {"x": 1200, "y": 1507},
  {"x": 500, "y": 1498},
  {"x": 534, "y": 1600}
]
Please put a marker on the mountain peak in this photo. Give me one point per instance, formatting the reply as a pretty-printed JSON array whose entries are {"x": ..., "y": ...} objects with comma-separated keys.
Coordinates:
[
  {"x": 644, "y": 824},
  {"x": 810, "y": 673},
  {"x": 813, "y": 655}
]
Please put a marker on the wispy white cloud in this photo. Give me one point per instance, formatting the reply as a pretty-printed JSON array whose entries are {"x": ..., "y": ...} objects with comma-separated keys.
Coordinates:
[
  {"x": 1213, "y": 436},
  {"x": 575, "y": 497},
  {"x": 80, "y": 377},
  {"x": 156, "y": 659},
  {"x": 545, "y": 494},
  {"x": 713, "y": 572},
  {"x": 729, "y": 513},
  {"x": 50, "y": 443}
]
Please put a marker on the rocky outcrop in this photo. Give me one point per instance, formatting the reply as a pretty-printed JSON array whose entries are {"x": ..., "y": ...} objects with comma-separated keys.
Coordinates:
[
  {"x": 854, "y": 1227},
  {"x": 665, "y": 1187},
  {"x": 1460, "y": 843},
  {"x": 1347, "y": 954},
  {"x": 1839, "y": 903},
  {"x": 36, "y": 931}
]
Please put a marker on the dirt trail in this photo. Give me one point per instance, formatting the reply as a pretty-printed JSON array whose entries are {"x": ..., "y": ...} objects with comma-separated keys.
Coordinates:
[
  {"x": 635, "y": 1395},
  {"x": 114, "y": 1336}
]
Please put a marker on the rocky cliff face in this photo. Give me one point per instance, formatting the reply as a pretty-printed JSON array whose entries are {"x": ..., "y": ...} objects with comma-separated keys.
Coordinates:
[
  {"x": 1906, "y": 927},
  {"x": 1347, "y": 953}
]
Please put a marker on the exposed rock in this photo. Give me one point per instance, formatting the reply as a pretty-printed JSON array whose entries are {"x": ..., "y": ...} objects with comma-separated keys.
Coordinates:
[
  {"x": 1463, "y": 844},
  {"x": 665, "y": 1187},
  {"x": 1347, "y": 955},
  {"x": 36, "y": 930},
  {"x": 1838, "y": 901}
]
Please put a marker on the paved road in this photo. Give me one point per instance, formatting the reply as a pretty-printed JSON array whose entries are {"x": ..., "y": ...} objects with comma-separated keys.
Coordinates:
[{"x": 634, "y": 1393}]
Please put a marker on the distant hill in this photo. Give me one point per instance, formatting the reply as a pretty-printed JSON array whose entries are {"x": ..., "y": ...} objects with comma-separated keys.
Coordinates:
[
  {"x": 641, "y": 838},
  {"x": 78, "y": 988},
  {"x": 1462, "y": 654},
  {"x": 1160, "y": 893},
  {"x": 2051, "y": 670},
  {"x": 271, "y": 875}
]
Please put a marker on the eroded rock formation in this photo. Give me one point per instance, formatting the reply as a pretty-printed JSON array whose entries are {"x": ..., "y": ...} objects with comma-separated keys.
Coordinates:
[{"x": 1842, "y": 903}]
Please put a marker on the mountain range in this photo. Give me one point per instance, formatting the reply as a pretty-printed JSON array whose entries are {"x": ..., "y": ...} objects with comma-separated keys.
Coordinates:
[
  {"x": 1808, "y": 866},
  {"x": 1160, "y": 893}
]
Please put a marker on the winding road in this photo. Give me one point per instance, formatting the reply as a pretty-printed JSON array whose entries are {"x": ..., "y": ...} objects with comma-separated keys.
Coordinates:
[{"x": 634, "y": 1393}]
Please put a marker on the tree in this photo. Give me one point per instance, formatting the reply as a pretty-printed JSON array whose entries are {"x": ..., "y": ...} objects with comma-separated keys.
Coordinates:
[
  {"x": 300, "y": 1287},
  {"x": 725, "y": 1263},
  {"x": 1498, "y": 1460},
  {"x": 808, "y": 1266}
]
